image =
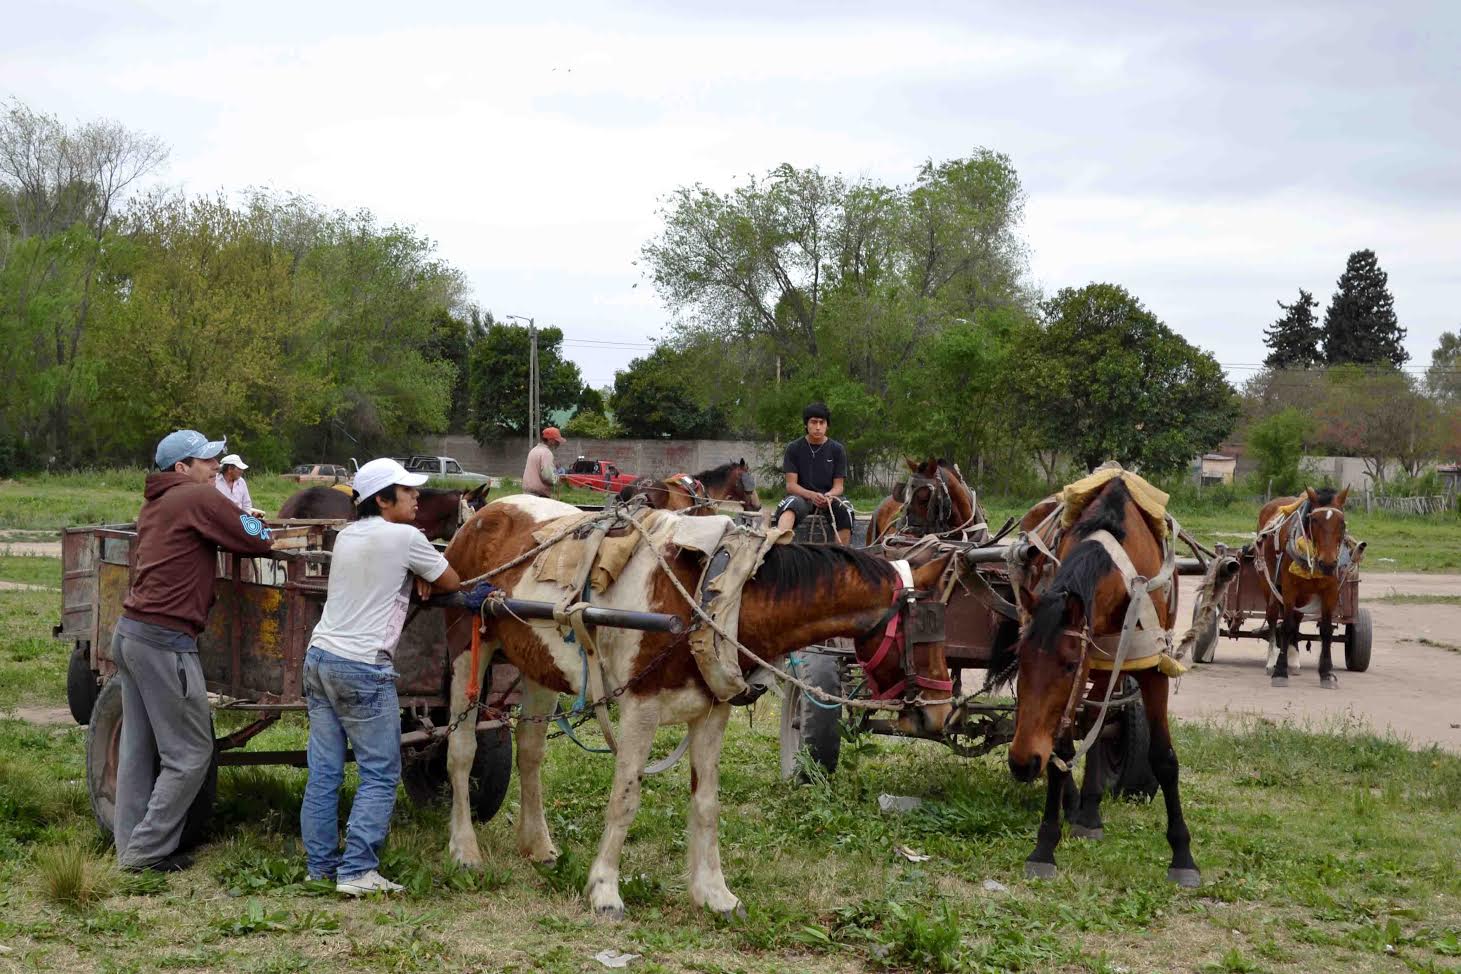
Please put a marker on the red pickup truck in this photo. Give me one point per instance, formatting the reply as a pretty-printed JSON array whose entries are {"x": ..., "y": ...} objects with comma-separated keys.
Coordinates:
[{"x": 600, "y": 475}]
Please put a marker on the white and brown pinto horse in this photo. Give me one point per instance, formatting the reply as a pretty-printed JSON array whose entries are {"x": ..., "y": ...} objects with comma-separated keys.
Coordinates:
[{"x": 801, "y": 595}]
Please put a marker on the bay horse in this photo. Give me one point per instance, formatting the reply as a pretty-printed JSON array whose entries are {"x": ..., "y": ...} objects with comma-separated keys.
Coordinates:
[
  {"x": 1086, "y": 602},
  {"x": 733, "y": 482},
  {"x": 439, "y": 513},
  {"x": 1302, "y": 555},
  {"x": 933, "y": 500},
  {"x": 801, "y": 594}
]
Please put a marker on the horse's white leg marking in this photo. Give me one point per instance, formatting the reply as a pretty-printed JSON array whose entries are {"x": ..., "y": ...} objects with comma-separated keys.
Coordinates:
[
  {"x": 638, "y": 719},
  {"x": 707, "y": 882},
  {"x": 533, "y": 839},
  {"x": 461, "y": 749}
]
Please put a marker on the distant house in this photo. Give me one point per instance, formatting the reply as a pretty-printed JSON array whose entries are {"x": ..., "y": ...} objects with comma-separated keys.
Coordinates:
[
  {"x": 1450, "y": 474},
  {"x": 1216, "y": 468}
]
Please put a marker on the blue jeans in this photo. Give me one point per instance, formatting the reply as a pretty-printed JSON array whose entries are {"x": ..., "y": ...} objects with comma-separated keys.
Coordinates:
[{"x": 350, "y": 704}]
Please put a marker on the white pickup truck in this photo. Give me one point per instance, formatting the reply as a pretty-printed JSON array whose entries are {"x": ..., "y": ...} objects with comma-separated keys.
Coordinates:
[{"x": 446, "y": 468}]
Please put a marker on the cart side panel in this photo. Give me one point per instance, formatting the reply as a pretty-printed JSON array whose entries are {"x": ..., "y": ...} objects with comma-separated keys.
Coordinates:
[
  {"x": 78, "y": 585},
  {"x": 253, "y": 618},
  {"x": 971, "y": 628},
  {"x": 422, "y": 654},
  {"x": 113, "y": 581}
]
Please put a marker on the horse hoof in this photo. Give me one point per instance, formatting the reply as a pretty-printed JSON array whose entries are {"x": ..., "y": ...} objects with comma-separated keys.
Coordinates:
[
  {"x": 1040, "y": 870},
  {"x": 737, "y": 912},
  {"x": 1185, "y": 878},
  {"x": 1329, "y": 682},
  {"x": 1081, "y": 832},
  {"x": 1280, "y": 681}
]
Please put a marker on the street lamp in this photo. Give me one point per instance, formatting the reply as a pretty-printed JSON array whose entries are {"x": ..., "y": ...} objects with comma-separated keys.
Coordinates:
[{"x": 533, "y": 403}]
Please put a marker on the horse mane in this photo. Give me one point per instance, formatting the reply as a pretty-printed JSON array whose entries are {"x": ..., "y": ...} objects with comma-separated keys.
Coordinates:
[
  {"x": 716, "y": 476},
  {"x": 1081, "y": 570},
  {"x": 435, "y": 491},
  {"x": 802, "y": 569},
  {"x": 1326, "y": 496}
]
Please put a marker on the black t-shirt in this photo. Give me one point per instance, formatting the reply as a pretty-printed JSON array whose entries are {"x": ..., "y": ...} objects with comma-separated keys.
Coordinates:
[{"x": 815, "y": 466}]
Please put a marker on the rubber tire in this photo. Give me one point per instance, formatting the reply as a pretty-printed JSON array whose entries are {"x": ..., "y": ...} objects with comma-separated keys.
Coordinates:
[
  {"x": 1358, "y": 636},
  {"x": 820, "y": 728},
  {"x": 1126, "y": 759},
  {"x": 102, "y": 738},
  {"x": 82, "y": 686},
  {"x": 1205, "y": 649},
  {"x": 427, "y": 783}
]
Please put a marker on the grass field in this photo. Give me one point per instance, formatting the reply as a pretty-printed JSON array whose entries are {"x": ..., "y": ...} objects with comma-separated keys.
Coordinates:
[
  {"x": 1330, "y": 851},
  {"x": 47, "y": 503}
]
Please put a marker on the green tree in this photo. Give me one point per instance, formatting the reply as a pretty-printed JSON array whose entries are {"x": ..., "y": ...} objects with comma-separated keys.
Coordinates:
[
  {"x": 1380, "y": 415},
  {"x": 1102, "y": 378},
  {"x": 498, "y": 378},
  {"x": 1443, "y": 378},
  {"x": 653, "y": 398},
  {"x": 1294, "y": 339},
  {"x": 591, "y": 425},
  {"x": 1360, "y": 326},
  {"x": 1278, "y": 443}
]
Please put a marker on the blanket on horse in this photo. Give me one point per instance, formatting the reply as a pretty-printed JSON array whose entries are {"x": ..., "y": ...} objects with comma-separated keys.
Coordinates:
[
  {"x": 1153, "y": 502},
  {"x": 591, "y": 559}
]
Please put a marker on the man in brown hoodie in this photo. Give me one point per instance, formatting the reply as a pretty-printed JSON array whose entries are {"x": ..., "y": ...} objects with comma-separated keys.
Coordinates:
[{"x": 166, "y": 724}]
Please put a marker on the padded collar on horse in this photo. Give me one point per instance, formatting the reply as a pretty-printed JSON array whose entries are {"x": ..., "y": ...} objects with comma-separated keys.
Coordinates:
[{"x": 895, "y": 637}]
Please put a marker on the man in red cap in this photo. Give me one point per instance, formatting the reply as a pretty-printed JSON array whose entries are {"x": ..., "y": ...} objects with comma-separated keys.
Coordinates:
[{"x": 539, "y": 475}]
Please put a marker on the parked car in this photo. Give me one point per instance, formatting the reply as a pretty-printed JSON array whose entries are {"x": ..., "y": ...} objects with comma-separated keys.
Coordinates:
[
  {"x": 446, "y": 468},
  {"x": 600, "y": 475},
  {"x": 318, "y": 473}
]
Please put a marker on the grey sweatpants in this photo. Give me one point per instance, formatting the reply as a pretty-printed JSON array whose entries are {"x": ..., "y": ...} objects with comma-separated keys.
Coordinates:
[{"x": 166, "y": 730}]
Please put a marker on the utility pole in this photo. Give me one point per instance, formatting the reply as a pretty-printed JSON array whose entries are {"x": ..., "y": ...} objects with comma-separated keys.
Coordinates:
[{"x": 534, "y": 397}]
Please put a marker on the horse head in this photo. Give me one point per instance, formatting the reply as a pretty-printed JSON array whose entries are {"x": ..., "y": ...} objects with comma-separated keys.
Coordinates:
[
  {"x": 1087, "y": 598},
  {"x": 741, "y": 486},
  {"x": 1324, "y": 525},
  {"x": 927, "y": 502}
]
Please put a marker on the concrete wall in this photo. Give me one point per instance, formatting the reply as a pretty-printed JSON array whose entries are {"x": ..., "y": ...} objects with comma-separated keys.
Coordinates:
[{"x": 654, "y": 457}]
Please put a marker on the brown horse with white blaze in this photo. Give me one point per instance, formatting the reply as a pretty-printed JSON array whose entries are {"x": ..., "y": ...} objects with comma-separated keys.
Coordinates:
[
  {"x": 1088, "y": 599},
  {"x": 801, "y": 595},
  {"x": 1301, "y": 558}
]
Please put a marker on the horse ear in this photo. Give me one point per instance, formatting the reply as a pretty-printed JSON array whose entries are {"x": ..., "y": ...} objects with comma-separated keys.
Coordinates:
[
  {"x": 1341, "y": 497},
  {"x": 1313, "y": 497},
  {"x": 912, "y": 464},
  {"x": 741, "y": 462}
]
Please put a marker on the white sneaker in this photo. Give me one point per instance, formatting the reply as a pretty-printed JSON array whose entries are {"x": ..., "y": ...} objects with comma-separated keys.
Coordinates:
[{"x": 371, "y": 882}]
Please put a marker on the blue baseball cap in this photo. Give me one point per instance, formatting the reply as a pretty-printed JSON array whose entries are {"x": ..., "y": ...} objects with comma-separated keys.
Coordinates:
[{"x": 181, "y": 444}]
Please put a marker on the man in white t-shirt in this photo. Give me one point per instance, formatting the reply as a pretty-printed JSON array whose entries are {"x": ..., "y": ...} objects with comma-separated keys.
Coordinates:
[{"x": 349, "y": 679}]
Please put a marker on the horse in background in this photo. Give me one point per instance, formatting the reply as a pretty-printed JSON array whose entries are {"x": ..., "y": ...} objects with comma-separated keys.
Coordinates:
[
  {"x": 1083, "y": 607},
  {"x": 933, "y": 500},
  {"x": 700, "y": 493},
  {"x": 1302, "y": 556},
  {"x": 439, "y": 513}
]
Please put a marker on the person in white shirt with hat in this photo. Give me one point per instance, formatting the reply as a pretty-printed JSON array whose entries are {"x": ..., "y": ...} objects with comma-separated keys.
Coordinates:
[
  {"x": 350, "y": 679},
  {"x": 231, "y": 484}
]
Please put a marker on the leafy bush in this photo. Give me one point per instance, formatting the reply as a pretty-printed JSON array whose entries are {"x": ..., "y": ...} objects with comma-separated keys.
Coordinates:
[{"x": 1278, "y": 443}]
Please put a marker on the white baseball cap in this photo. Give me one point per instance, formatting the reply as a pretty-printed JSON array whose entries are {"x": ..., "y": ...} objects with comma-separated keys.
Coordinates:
[
  {"x": 235, "y": 459},
  {"x": 380, "y": 473}
]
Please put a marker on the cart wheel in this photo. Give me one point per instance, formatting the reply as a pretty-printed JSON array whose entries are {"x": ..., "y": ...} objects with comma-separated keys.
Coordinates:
[
  {"x": 103, "y": 743},
  {"x": 1124, "y": 754},
  {"x": 1205, "y": 649},
  {"x": 1357, "y": 638},
  {"x": 805, "y": 723},
  {"x": 426, "y": 781},
  {"x": 82, "y": 687}
]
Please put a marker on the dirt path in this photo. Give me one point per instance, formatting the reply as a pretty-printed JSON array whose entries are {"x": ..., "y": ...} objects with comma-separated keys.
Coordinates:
[
  {"x": 1411, "y": 689},
  {"x": 48, "y": 549}
]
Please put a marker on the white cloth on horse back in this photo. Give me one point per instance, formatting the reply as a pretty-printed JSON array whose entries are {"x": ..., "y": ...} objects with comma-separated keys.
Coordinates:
[
  {"x": 539, "y": 476},
  {"x": 370, "y": 588}
]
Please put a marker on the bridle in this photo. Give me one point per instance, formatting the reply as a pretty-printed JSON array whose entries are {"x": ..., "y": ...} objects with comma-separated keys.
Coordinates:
[
  {"x": 938, "y": 514},
  {"x": 912, "y": 618}
]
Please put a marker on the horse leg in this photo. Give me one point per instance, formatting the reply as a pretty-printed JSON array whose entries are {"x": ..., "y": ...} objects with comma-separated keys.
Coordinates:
[
  {"x": 533, "y": 839},
  {"x": 1041, "y": 863},
  {"x": 1154, "y": 695},
  {"x": 461, "y": 749},
  {"x": 1327, "y": 679},
  {"x": 707, "y": 881},
  {"x": 1280, "y": 627},
  {"x": 1085, "y": 822},
  {"x": 638, "y": 720}
]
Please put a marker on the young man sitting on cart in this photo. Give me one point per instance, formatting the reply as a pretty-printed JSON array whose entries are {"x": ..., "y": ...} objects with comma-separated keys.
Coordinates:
[
  {"x": 166, "y": 745},
  {"x": 350, "y": 679},
  {"x": 816, "y": 471}
]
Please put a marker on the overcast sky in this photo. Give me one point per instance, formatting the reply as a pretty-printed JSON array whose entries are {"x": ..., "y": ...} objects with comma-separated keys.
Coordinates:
[{"x": 1212, "y": 162}]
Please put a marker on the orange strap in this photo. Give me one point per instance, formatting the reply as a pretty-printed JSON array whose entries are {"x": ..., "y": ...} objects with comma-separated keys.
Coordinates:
[{"x": 474, "y": 686}]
